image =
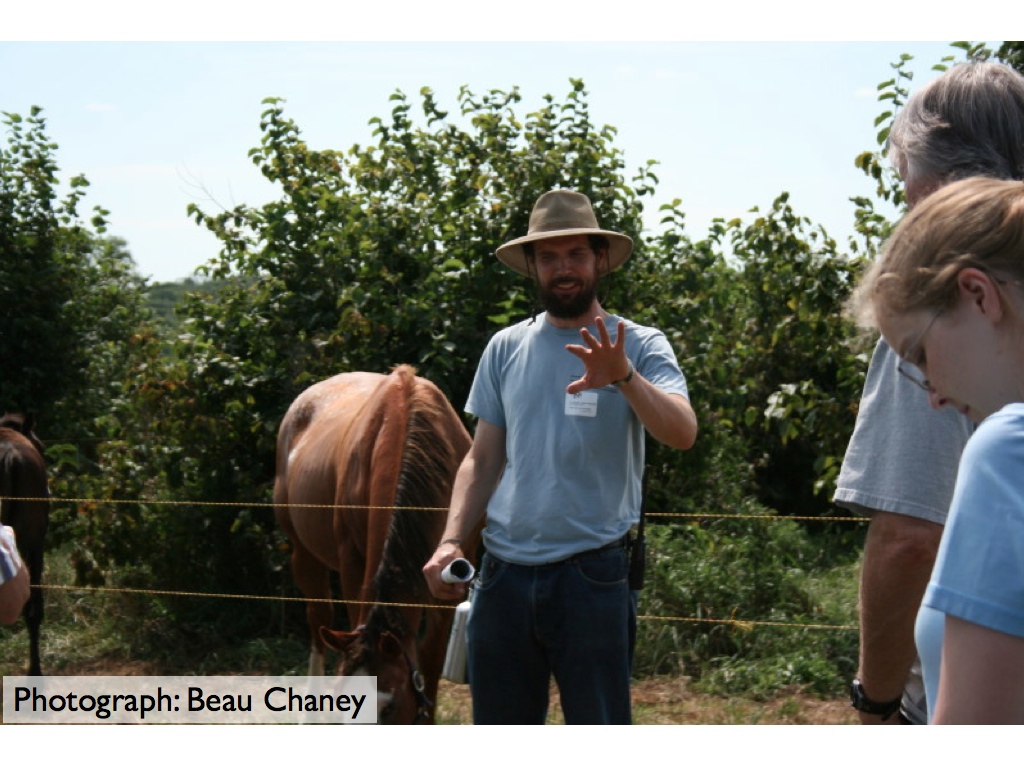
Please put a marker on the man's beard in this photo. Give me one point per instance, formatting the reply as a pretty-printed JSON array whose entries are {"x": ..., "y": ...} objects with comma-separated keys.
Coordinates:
[{"x": 568, "y": 308}]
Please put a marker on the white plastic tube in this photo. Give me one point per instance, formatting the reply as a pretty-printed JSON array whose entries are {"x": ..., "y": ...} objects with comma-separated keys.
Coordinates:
[{"x": 458, "y": 571}]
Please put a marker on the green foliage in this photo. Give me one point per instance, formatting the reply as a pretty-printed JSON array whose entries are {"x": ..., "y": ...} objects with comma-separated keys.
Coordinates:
[
  {"x": 384, "y": 254},
  {"x": 163, "y": 299},
  {"x": 744, "y": 584},
  {"x": 797, "y": 376},
  {"x": 768, "y": 355},
  {"x": 1012, "y": 52},
  {"x": 73, "y": 320},
  {"x": 44, "y": 247}
]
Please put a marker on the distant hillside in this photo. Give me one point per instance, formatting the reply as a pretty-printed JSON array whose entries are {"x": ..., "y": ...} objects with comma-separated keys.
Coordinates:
[{"x": 164, "y": 297}]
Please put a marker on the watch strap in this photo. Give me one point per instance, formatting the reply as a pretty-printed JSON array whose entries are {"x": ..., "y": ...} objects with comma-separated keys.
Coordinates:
[
  {"x": 630, "y": 370},
  {"x": 860, "y": 701}
]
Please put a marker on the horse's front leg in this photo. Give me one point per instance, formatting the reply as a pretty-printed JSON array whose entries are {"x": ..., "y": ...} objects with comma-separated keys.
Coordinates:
[{"x": 314, "y": 581}]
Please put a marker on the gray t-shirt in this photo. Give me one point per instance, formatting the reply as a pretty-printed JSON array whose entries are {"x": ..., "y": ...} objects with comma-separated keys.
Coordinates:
[
  {"x": 574, "y": 463},
  {"x": 903, "y": 454}
]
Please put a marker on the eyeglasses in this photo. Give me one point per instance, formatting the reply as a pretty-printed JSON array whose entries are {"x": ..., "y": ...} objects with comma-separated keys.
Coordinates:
[{"x": 914, "y": 376}]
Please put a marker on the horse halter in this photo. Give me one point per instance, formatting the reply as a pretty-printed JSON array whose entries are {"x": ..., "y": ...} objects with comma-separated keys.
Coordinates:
[
  {"x": 419, "y": 686},
  {"x": 418, "y": 682}
]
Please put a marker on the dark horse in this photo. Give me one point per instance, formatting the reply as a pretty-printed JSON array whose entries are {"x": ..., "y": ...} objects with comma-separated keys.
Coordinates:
[
  {"x": 26, "y": 508},
  {"x": 365, "y": 467}
]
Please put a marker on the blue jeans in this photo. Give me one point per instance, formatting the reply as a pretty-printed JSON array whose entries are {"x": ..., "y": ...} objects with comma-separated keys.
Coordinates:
[{"x": 575, "y": 619}]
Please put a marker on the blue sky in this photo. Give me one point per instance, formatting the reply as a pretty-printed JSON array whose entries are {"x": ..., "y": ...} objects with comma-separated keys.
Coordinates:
[{"x": 157, "y": 125}]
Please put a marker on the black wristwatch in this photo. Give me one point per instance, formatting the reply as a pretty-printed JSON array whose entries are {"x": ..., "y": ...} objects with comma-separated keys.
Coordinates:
[
  {"x": 860, "y": 701},
  {"x": 630, "y": 370}
]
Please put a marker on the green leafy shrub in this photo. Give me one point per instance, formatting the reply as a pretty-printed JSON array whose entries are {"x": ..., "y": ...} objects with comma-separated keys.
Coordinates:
[{"x": 736, "y": 585}]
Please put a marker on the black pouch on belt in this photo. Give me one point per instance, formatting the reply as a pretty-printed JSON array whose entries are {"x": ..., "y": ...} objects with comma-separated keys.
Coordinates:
[
  {"x": 638, "y": 546},
  {"x": 637, "y": 557}
]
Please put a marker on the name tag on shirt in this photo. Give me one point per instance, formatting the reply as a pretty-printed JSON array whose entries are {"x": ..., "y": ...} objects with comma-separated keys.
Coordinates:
[{"x": 582, "y": 404}]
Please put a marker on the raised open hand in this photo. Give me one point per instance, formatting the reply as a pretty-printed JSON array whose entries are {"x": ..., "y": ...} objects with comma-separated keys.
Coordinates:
[{"x": 604, "y": 361}]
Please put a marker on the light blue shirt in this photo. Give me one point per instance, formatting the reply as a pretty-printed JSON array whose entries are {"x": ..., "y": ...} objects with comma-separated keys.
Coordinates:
[
  {"x": 979, "y": 571},
  {"x": 574, "y": 463}
]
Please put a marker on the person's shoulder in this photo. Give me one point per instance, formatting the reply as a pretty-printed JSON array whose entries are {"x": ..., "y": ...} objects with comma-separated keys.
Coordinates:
[
  {"x": 509, "y": 329},
  {"x": 513, "y": 334},
  {"x": 999, "y": 436},
  {"x": 1009, "y": 414},
  {"x": 1007, "y": 422},
  {"x": 636, "y": 329}
]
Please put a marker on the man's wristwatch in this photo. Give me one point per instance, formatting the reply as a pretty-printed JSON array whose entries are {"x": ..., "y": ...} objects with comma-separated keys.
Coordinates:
[
  {"x": 860, "y": 701},
  {"x": 630, "y": 370}
]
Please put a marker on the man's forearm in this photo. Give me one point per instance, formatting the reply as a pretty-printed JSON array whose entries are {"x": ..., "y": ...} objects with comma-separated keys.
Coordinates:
[
  {"x": 470, "y": 494},
  {"x": 474, "y": 483},
  {"x": 669, "y": 418},
  {"x": 898, "y": 556}
]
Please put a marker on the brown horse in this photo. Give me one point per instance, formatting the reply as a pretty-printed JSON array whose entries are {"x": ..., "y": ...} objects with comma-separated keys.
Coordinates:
[
  {"x": 363, "y": 462},
  {"x": 26, "y": 508}
]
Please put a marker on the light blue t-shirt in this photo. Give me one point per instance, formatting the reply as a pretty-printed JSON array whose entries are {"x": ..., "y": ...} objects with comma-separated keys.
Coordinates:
[
  {"x": 574, "y": 463},
  {"x": 979, "y": 571}
]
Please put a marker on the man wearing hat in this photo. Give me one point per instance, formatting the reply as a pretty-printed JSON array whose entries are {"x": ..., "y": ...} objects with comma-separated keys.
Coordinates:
[{"x": 556, "y": 467}]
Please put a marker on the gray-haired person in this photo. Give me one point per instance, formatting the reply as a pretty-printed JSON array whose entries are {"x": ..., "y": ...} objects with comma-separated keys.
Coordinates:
[{"x": 901, "y": 464}]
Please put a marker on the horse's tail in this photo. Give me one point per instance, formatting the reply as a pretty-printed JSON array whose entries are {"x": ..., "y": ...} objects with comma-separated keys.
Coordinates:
[{"x": 433, "y": 442}]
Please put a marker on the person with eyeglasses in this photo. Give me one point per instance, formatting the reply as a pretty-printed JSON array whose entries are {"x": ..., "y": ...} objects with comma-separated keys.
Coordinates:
[
  {"x": 901, "y": 463},
  {"x": 911, "y": 367},
  {"x": 948, "y": 297}
]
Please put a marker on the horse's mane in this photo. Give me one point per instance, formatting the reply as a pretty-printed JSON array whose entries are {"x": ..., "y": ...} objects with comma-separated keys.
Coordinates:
[{"x": 424, "y": 488}]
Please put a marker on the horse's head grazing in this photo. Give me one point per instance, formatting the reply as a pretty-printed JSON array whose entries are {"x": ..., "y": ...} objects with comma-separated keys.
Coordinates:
[{"x": 389, "y": 653}]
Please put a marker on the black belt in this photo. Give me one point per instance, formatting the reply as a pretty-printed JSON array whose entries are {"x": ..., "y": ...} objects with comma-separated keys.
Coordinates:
[{"x": 622, "y": 543}]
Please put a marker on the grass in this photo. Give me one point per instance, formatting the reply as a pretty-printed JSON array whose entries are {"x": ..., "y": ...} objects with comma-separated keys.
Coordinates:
[
  {"x": 79, "y": 628},
  {"x": 671, "y": 701}
]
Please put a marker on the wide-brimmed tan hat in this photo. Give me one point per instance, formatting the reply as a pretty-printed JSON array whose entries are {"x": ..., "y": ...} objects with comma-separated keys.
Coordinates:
[{"x": 559, "y": 213}]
